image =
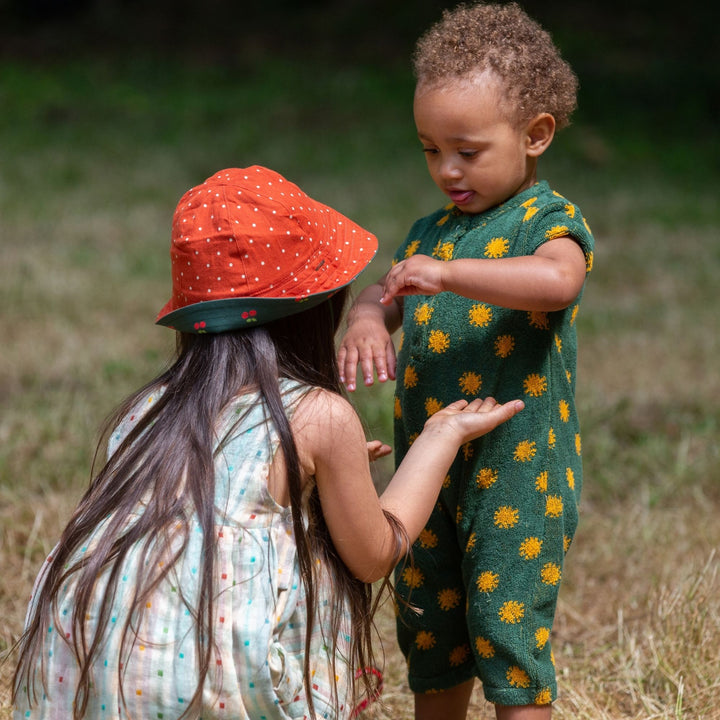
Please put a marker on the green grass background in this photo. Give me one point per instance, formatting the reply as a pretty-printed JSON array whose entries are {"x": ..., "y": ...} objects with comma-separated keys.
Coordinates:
[{"x": 97, "y": 146}]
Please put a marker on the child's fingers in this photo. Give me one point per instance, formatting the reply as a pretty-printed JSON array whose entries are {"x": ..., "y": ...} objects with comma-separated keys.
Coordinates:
[
  {"x": 483, "y": 404},
  {"x": 391, "y": 360},
  {"x": 367, "y": 366},
  {"x": 377, "y": 449},
  {"x": 342, "y": 354},
  {"x": 486, "y": 415},
  {"x": 457, "y": 405},
  {"x": 347, "y": 366},
  {"x": 394, "y": 282}
]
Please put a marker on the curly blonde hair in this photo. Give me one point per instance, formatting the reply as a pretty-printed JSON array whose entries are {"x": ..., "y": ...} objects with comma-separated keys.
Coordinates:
[{"x": 504, "y": 40}]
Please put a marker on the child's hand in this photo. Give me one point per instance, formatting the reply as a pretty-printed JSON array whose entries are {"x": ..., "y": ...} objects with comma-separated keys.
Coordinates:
[
  {"x": 418, "y": 275},
  {"x": 366, "y": 343},
  {"x": 471, "y": 420},
  {"x": 377, "y": 449}
]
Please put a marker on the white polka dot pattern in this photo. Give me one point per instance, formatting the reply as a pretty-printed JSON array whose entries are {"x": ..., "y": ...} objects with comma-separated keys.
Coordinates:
[{"x": 250, "y": 233}]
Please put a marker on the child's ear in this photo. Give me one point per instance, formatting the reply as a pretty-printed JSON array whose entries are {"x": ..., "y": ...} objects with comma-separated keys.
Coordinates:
[{"x": 539, "y": 134}]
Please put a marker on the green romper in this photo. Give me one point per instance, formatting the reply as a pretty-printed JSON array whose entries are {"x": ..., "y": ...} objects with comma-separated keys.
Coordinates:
[{"x": 483, "y": 586}]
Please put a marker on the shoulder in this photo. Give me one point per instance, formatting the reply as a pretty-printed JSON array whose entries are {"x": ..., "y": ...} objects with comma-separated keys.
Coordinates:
[
  {"x": 322, "y": 423},
  {"x": 324, "y": 409},
  {"x": 550, "y": 215},
  {"x": 324, "y": 418}
]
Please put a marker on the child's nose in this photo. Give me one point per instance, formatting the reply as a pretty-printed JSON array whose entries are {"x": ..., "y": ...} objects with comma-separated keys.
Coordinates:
[{"x": 449, "y": 169}]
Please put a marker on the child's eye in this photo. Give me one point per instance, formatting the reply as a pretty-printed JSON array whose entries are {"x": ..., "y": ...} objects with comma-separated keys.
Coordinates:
[
  {"x": 467, "y": 153},
  {"x": 430, "y": 150}
]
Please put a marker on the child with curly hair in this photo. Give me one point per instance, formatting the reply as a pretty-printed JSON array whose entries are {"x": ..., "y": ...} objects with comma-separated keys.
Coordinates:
[{"x": 487, "y": 291}]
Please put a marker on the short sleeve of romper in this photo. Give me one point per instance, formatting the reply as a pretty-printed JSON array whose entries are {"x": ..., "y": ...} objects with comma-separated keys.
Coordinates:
[
  {"x": 508, "y": 508},
  {"x": 261, "y": 615}
]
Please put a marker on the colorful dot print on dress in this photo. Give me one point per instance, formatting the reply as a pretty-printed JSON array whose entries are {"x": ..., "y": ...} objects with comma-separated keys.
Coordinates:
[{"x": 261, "y": 615}]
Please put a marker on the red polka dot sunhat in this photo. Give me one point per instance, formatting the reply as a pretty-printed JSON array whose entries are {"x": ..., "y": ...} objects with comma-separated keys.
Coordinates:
[{"x": 249, "y": 246}]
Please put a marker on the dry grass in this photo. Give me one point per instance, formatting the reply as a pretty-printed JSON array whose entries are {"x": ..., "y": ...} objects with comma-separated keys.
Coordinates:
[{"x": 83, "y": 273}]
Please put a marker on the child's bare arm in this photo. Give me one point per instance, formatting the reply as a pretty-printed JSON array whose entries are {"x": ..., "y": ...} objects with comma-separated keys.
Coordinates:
[
  {"x": 367, "y": 340},
  {"x": 548, "y": 280},
  {"x": 332, "y": 447}
]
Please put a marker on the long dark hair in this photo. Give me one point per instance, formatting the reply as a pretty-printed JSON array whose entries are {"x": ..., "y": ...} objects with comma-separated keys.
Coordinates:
[{"x": 167, "y": 462}]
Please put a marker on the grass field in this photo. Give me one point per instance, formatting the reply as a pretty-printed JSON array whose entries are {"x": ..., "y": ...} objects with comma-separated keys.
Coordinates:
[{"x": 94, "y": 159}]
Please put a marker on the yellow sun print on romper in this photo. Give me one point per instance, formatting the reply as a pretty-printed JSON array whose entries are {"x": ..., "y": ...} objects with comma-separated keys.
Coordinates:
[
  {"x": 484, "y": 647},
  {"x": 423, "y": 314},
  {"x": 410, "y": 378},
  {"x": 497, "y": 247},
  {"x": 504, "y": 345},
  {"x": 512, "y": 612},
  {"x": 553, "y": 506},
  {"x": 525, "y": 451},
  {"x": 551, "y": 573},
  {"x": 443, "y": 251},
  {"x": 471, "y": 542},
  {"x": 432, "y": 405},
  {"x": 538, "y": 319},
  {"x": 486, "y": 477},
  {"x": 564, "y": 409},
  {"x": 544, "y": 697},
  {"x": 412, "y": 248},
  {"x": 530, "y": 209},
  {"x": 459, "y": 655},
  {"x": 556, "y": 232},
  {"x": 427, "y": 539},
  {"x": 448, "y": 599},
  {"x": 425, "y": 640},
  {"x": 589, "y": 261},
  {"x": 506, "y": 517},
  {"x": 530, "y": 548},
  {"x": 480, "y": 315},
  {"x": 570, "y": 477},
  {"x": 470, "y": 383},
  {"x": 541, "y": 482},
  {"x": 487, "y": 581},
  {"x": 517, "y": 677},
  {"x": 438, "y": 341},
  {"x": 542, "y": 635},
  {"x": 413, "y": 577},
  {"x": 535, "y": 385}
]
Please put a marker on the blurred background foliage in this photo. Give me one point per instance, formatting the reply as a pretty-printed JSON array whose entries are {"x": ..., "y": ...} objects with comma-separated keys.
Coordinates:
[{"x": 111, "y": 109}]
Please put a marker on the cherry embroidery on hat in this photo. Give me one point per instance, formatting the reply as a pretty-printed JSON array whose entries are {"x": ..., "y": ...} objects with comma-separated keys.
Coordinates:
[
  {"x": 249, "y": 315},
  {"x": 200, "y": 326}
]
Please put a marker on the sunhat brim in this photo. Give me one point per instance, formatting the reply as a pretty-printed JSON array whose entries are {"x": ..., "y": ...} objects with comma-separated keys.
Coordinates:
[{"x": 216, "y": 316}]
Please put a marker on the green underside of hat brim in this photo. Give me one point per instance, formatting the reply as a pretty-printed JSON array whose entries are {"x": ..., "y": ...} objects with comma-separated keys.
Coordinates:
[{"x": 216, "y": 316}]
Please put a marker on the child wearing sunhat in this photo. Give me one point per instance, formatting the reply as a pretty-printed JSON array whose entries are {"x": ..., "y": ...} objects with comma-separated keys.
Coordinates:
[
  {"x": 219, "y": 564},
  {"x": 487, "y": 291}
]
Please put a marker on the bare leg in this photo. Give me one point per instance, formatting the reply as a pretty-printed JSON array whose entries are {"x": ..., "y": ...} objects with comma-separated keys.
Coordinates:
[
  {"x": 449, "y": 704},
  {"x": 523, "y": 712}
]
